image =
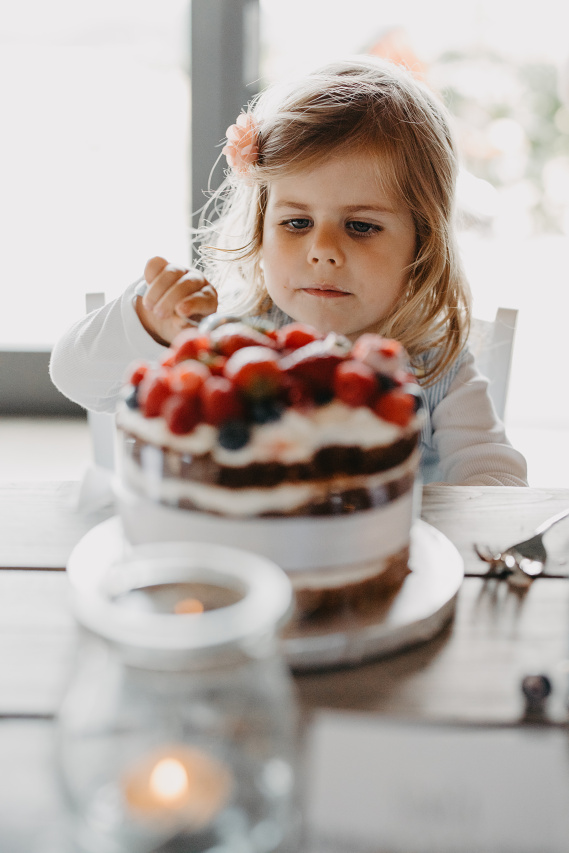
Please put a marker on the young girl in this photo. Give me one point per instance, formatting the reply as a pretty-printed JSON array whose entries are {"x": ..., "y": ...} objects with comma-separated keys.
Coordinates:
[{"x": 337, "y": 211}]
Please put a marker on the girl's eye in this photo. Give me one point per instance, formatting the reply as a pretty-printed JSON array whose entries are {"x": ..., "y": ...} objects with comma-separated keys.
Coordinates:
[
  {"x": 298, "y": 224},
  {"x": 363, "y": 227}
]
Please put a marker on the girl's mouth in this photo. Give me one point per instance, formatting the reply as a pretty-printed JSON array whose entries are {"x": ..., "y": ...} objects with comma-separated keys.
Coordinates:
[{"x": 325, "y": 292}]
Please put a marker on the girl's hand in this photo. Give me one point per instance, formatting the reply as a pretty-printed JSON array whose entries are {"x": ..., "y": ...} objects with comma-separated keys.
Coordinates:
[{"x": 175, "y": 294}]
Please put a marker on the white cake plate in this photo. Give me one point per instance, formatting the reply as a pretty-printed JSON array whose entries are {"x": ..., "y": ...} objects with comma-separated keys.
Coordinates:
[{"x": 419, "y": 610}]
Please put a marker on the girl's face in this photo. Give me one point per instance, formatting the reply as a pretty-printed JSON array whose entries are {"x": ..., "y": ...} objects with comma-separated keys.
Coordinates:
[{"x": 335, "y": 247}]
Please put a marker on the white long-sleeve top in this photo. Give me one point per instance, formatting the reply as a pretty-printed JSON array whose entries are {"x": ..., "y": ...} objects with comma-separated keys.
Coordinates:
[{"x": 463, "y": 441}]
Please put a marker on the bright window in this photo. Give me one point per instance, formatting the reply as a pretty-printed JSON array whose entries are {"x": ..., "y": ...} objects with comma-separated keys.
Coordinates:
[{"x": 95, "y": 152}]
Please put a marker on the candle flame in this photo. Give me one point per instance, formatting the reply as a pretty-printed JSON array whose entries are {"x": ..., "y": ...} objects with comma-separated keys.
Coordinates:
[
  {"x": 189, "y": 605},
  {"x": 169, "y": 780}
]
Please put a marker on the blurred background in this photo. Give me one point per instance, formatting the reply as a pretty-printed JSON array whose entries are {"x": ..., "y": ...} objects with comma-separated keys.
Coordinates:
[{"x": 97, "y": 161}]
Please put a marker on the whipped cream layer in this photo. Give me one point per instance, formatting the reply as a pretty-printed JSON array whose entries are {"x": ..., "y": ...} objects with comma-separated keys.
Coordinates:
[{"x": 295, "y": 437}]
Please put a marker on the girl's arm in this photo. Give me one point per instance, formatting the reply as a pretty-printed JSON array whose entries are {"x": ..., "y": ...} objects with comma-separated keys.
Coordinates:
[
  {"x": 89, "y": 363},
  {"x": 470, "y": 439}
]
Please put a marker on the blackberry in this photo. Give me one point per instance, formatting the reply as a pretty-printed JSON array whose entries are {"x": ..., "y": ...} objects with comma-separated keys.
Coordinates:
[
  {"x": 323, "y": 396},
  {"x": 233, "y": 435},
  {"x": 265, "y": 411}
]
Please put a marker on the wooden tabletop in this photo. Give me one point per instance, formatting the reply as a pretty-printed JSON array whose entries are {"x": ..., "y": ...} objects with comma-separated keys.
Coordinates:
[
  {"x": 470, "y": 672},
  {"x": 468, "y": 675}
]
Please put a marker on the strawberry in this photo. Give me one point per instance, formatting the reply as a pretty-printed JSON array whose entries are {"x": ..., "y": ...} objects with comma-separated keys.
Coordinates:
[
  {"x": 188, "y": 377},
  {"x": 181, "y": 413},
  {"x": 215, "y": 362},
  {"x": 154, "y": 390},
  {"x": 220, "y": 401},
  {"x": 355, "y": 383},
  {"x": 296, "y": 335},
  {"x": 397, "y": 406},
  {"x": 316, "y": 362},
  {"x": 297, "y": 392},
  {"x": 230, "y": 337},
  {"x": 189, "y": 344},
  {"x": 169, "y": 358},
  {"x": 255, "y": 371},
  {"x": 137, "y": 372}
]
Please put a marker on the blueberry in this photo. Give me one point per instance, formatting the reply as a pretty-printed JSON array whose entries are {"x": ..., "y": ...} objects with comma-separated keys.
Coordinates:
[
  {"x": 233, "y": 435},
  {"x": 415, "y": 391},
  {"x": 265, "y": 411},
  {"x": 323, "y": 396},
  {"x": 131, "y": 398},
  {"x": 386, "y": 383}
]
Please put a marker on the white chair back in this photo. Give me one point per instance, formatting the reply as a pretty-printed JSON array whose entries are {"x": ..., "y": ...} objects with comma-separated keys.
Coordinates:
[
  {"x": 101, "y": 424},
  {"x": 492, "y": 344}
]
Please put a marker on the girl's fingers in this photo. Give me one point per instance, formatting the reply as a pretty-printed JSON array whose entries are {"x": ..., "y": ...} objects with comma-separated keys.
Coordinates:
[
  {"x": 180, "y": 288},
  {"x": 162, "y": 284},
  {"x": 154, "y": 267},
  {"x": 200, "y": 304}
]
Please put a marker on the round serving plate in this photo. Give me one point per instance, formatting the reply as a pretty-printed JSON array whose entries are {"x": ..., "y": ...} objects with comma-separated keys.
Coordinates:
[{"x": 416, "y": 612}]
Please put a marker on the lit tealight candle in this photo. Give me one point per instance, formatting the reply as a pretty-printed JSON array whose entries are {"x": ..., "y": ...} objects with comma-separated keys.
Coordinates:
[
  {"x": 189, "y": 605},
  {"x": 181, "y": 598},
  {"x": 179, "y": 782}
]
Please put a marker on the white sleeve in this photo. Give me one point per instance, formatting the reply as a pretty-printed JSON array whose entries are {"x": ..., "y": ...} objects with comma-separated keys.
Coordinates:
[
  {"x": 89, "y": 363},
  {"x": 469, "y": 437}
]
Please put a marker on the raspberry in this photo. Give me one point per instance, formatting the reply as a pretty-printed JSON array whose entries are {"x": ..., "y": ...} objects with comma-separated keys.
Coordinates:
[
  {"x": 396, "y": 406},
  {"x": 255, "y": 371},
  {"x": 181, "y": 413},
  {"x": 296, "y": 335},
  {"x": 220, "y": 401},
  {"x": 355, "y": 383}
]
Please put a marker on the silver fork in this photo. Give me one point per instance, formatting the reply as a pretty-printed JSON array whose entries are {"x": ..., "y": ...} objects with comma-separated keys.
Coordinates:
[{"x": 527, "y": 557}]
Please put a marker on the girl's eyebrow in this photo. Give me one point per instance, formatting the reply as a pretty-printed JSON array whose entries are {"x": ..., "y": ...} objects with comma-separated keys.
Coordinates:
[{"x": 349, "y": 208}]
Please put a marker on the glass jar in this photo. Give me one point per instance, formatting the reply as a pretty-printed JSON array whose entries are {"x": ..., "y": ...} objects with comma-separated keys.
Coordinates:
[{"x": 178, "y": 729}]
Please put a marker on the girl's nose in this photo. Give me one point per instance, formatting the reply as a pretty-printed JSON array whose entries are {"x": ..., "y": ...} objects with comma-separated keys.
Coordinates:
[{"x": 325, "y": 248}]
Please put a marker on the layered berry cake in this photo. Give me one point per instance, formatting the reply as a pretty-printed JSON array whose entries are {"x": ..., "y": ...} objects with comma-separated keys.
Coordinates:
[{"x": 299, "y": 446}]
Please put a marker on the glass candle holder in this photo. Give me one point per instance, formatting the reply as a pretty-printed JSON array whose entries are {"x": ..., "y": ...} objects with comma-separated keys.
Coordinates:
[{"x": 178, "y": 729}]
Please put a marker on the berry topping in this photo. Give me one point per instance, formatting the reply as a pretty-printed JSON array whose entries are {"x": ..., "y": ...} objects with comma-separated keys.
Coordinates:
[
  {"x": 382, "y": 354},
  {"x": 181, "y": 413},
  {"x": 265, "y": 411},
  {"x": 188, "y": 377},
  {"x": 355, "y": 383},
  {"x": 137, "y": 372},
  {"x": 231, "y": 337},
  {"x": 233, "y": 435},
  {"x": 232, "y": 374},
  {"x": 315, "y": 363},
  {"x": 131, "y": 398},
  {"x": 297, "y": 335},
  {"x": 189, "y": 344},
  {"x": 255, "y": 371},
  {"x": 220, "y": 401},
  {"x": 397, "y": 407},
  {"x": 153, "y": 391}
]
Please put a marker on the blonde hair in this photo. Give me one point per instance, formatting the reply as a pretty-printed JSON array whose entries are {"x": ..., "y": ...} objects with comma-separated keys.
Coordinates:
[{"x": 370, "y": 105}]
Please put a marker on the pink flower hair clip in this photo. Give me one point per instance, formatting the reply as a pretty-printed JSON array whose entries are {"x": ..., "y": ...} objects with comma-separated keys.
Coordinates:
[{"x": 242, "y": 149}]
